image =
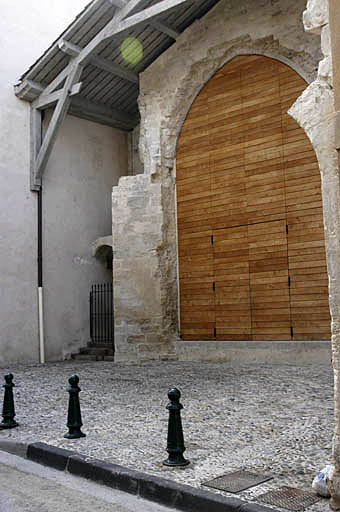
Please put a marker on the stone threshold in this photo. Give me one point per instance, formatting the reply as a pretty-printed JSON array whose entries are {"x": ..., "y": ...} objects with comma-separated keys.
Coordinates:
[{"x": 267, "y": 352}]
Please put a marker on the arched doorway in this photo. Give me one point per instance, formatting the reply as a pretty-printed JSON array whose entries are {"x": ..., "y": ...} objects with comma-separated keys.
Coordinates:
[{"x": 250, "y": 228}]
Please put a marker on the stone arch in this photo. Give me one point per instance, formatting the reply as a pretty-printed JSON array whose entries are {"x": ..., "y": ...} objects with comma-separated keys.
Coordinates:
[
  {"x": 196, "y": 77},
  {"x": 167, "y": 89},
  {"x": 102, "y": 249},
  {"x": 239, "y": 53},
  {"x": 163, "y": 134},
  {"x": 314, "y": 112}
]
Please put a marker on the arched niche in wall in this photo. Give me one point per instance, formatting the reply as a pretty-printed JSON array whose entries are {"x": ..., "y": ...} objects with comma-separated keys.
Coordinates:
[
  {"x": 102, "y": 250},
  {"x": 251, "y": 249}
]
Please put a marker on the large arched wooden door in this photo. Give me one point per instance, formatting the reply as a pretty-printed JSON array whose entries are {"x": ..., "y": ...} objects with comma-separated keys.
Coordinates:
[{"x": 250, "y": 228}]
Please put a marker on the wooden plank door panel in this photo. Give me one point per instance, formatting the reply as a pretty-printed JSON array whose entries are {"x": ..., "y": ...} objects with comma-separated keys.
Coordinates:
[
  {"x": 232, "y": 296},
  {"x": 309, "y": 278},
  {"x": 262, "y": 141},
  {"x": 269, "y": 288},
  {"x": 309, "y": 305},
  {"x": 225, "y": 134},
  {"x": 196, "y": 266},
  {"x": 245, "y": 170},
  {"x": 196, "y": 276}
]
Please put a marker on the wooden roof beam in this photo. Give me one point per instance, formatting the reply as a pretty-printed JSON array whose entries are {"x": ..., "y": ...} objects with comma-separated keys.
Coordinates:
[
  {"x": 93, "y": 45},
  {"x": 127, "y": 9},
  {"x": 86, "y": 109},
  {"x": 23, "y": 90},
  {"x": 58, "y": 116},
  {"x": 165, "y": 29},
  {"x": 116, "y": 26},
  {"x": 45, "y": 101},
  {"x": 83, "y": 17},
  {"x": 146, "y": 16},
  {"x": 122, "y": 23},
  {"x": 119, "y": 4},
  {"x": 81, "y": 105},
  {"x": 158, "y": 25},
  {"x": 28, "y": 90},
  {"x": 99, "y": 62}
]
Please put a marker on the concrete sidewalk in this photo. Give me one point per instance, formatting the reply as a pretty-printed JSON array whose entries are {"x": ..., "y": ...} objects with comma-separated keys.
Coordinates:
[{"x": 270, "y": 419}]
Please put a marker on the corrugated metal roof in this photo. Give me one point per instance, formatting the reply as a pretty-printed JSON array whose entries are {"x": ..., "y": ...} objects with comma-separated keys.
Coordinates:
[{"x": 103, "y": 90}]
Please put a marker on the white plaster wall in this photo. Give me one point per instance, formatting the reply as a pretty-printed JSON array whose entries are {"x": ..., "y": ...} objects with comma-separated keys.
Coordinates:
[
  {"x": 27, "y": 28},
  {"x": 86, "y": 162}
]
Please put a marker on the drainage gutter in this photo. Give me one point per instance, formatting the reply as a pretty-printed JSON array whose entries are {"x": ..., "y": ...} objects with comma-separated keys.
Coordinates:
[{"x": 40, "y": 283}]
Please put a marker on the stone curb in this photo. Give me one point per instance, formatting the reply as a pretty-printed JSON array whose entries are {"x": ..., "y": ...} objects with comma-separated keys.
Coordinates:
[
  {"x": 150, "y": 487},
  {"x": 14, "y": 447}
]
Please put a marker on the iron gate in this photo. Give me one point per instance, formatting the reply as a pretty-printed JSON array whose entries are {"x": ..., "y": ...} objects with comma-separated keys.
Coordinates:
[{"x": 101, "y": 314}]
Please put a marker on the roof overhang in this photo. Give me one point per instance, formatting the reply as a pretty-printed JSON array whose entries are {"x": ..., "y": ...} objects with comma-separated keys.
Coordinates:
[
  {"x": 92, "y": 69},
  {"x": 110, "y": 77}
]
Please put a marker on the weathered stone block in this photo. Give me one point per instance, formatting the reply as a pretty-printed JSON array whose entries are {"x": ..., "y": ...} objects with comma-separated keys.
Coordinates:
[
  {"x": 326, "y": 41},
  {"x": 325, "y": 70},
  {"x": 168, "y": 357},
  {"x": 153, "y": 338},
  {"x": 315, "y": 16},
  {"x": 136, "y": 339}
]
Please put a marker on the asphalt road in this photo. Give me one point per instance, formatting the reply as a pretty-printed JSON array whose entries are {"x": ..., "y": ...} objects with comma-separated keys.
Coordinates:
[{"x": 29, "y": 487}]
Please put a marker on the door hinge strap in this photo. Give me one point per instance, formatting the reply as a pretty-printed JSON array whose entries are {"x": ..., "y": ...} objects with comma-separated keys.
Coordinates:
[{"x": 214, "y": 332}]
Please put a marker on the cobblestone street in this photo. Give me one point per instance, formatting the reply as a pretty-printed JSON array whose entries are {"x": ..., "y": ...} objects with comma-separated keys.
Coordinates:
[{"x": 271, "y": 419}]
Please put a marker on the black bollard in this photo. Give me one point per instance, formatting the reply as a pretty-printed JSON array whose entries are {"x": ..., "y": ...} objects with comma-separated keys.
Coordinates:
[
  {"x": 175, "y": 445},
  {"x": 8, "y": 411},
  {"x": 74, "y": 422}
]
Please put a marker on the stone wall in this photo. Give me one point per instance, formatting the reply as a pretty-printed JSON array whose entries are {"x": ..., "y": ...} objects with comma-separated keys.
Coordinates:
[
  {"x": 334, "y": 22},
  {"x": 147, "y": 316},
  {"x": 135, "y": 165},
  {"x": 141, "y": 324},
  {"x": 315, "y": 111}
]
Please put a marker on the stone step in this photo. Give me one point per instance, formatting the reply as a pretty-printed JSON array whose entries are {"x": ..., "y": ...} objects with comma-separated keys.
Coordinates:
[
  {"x": 168, "y": 357},
  {"x": 100, "y": 345},
  {"x": 98, "y": 351},
  {"x": 84, "y": 357}
]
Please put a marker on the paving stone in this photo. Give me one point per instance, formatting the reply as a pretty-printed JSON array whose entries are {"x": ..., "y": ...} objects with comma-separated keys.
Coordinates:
[
  {"x": 85, "y": 357},
  {"x": 274, "y": 420},
  {"x": 95, "y": 351}
]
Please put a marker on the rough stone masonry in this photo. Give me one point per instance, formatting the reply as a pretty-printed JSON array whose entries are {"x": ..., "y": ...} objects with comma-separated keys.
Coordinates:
[{"x": 144, "y": 206}]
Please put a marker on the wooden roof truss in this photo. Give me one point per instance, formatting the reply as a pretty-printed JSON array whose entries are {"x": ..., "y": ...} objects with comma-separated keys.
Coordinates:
[{"x": 63, "y": 91}]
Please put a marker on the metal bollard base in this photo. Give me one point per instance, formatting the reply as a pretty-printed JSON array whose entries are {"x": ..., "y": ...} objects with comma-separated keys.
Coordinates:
[
  {"x": 174, "y": 463},
  {"x": 74, "y": 435},
  {"x": 13, "y": 424}
]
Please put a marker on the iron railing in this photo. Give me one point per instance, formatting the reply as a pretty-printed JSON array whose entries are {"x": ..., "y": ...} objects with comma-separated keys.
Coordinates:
[{"x": 101, "y": 314}]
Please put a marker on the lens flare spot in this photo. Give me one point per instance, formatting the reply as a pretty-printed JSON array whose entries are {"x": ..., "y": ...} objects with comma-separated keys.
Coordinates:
[{"x": 132, "y": 50}]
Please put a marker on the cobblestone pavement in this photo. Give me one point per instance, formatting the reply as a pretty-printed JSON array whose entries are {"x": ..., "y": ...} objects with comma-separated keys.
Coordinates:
[{"x": 271, "y": 419}]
